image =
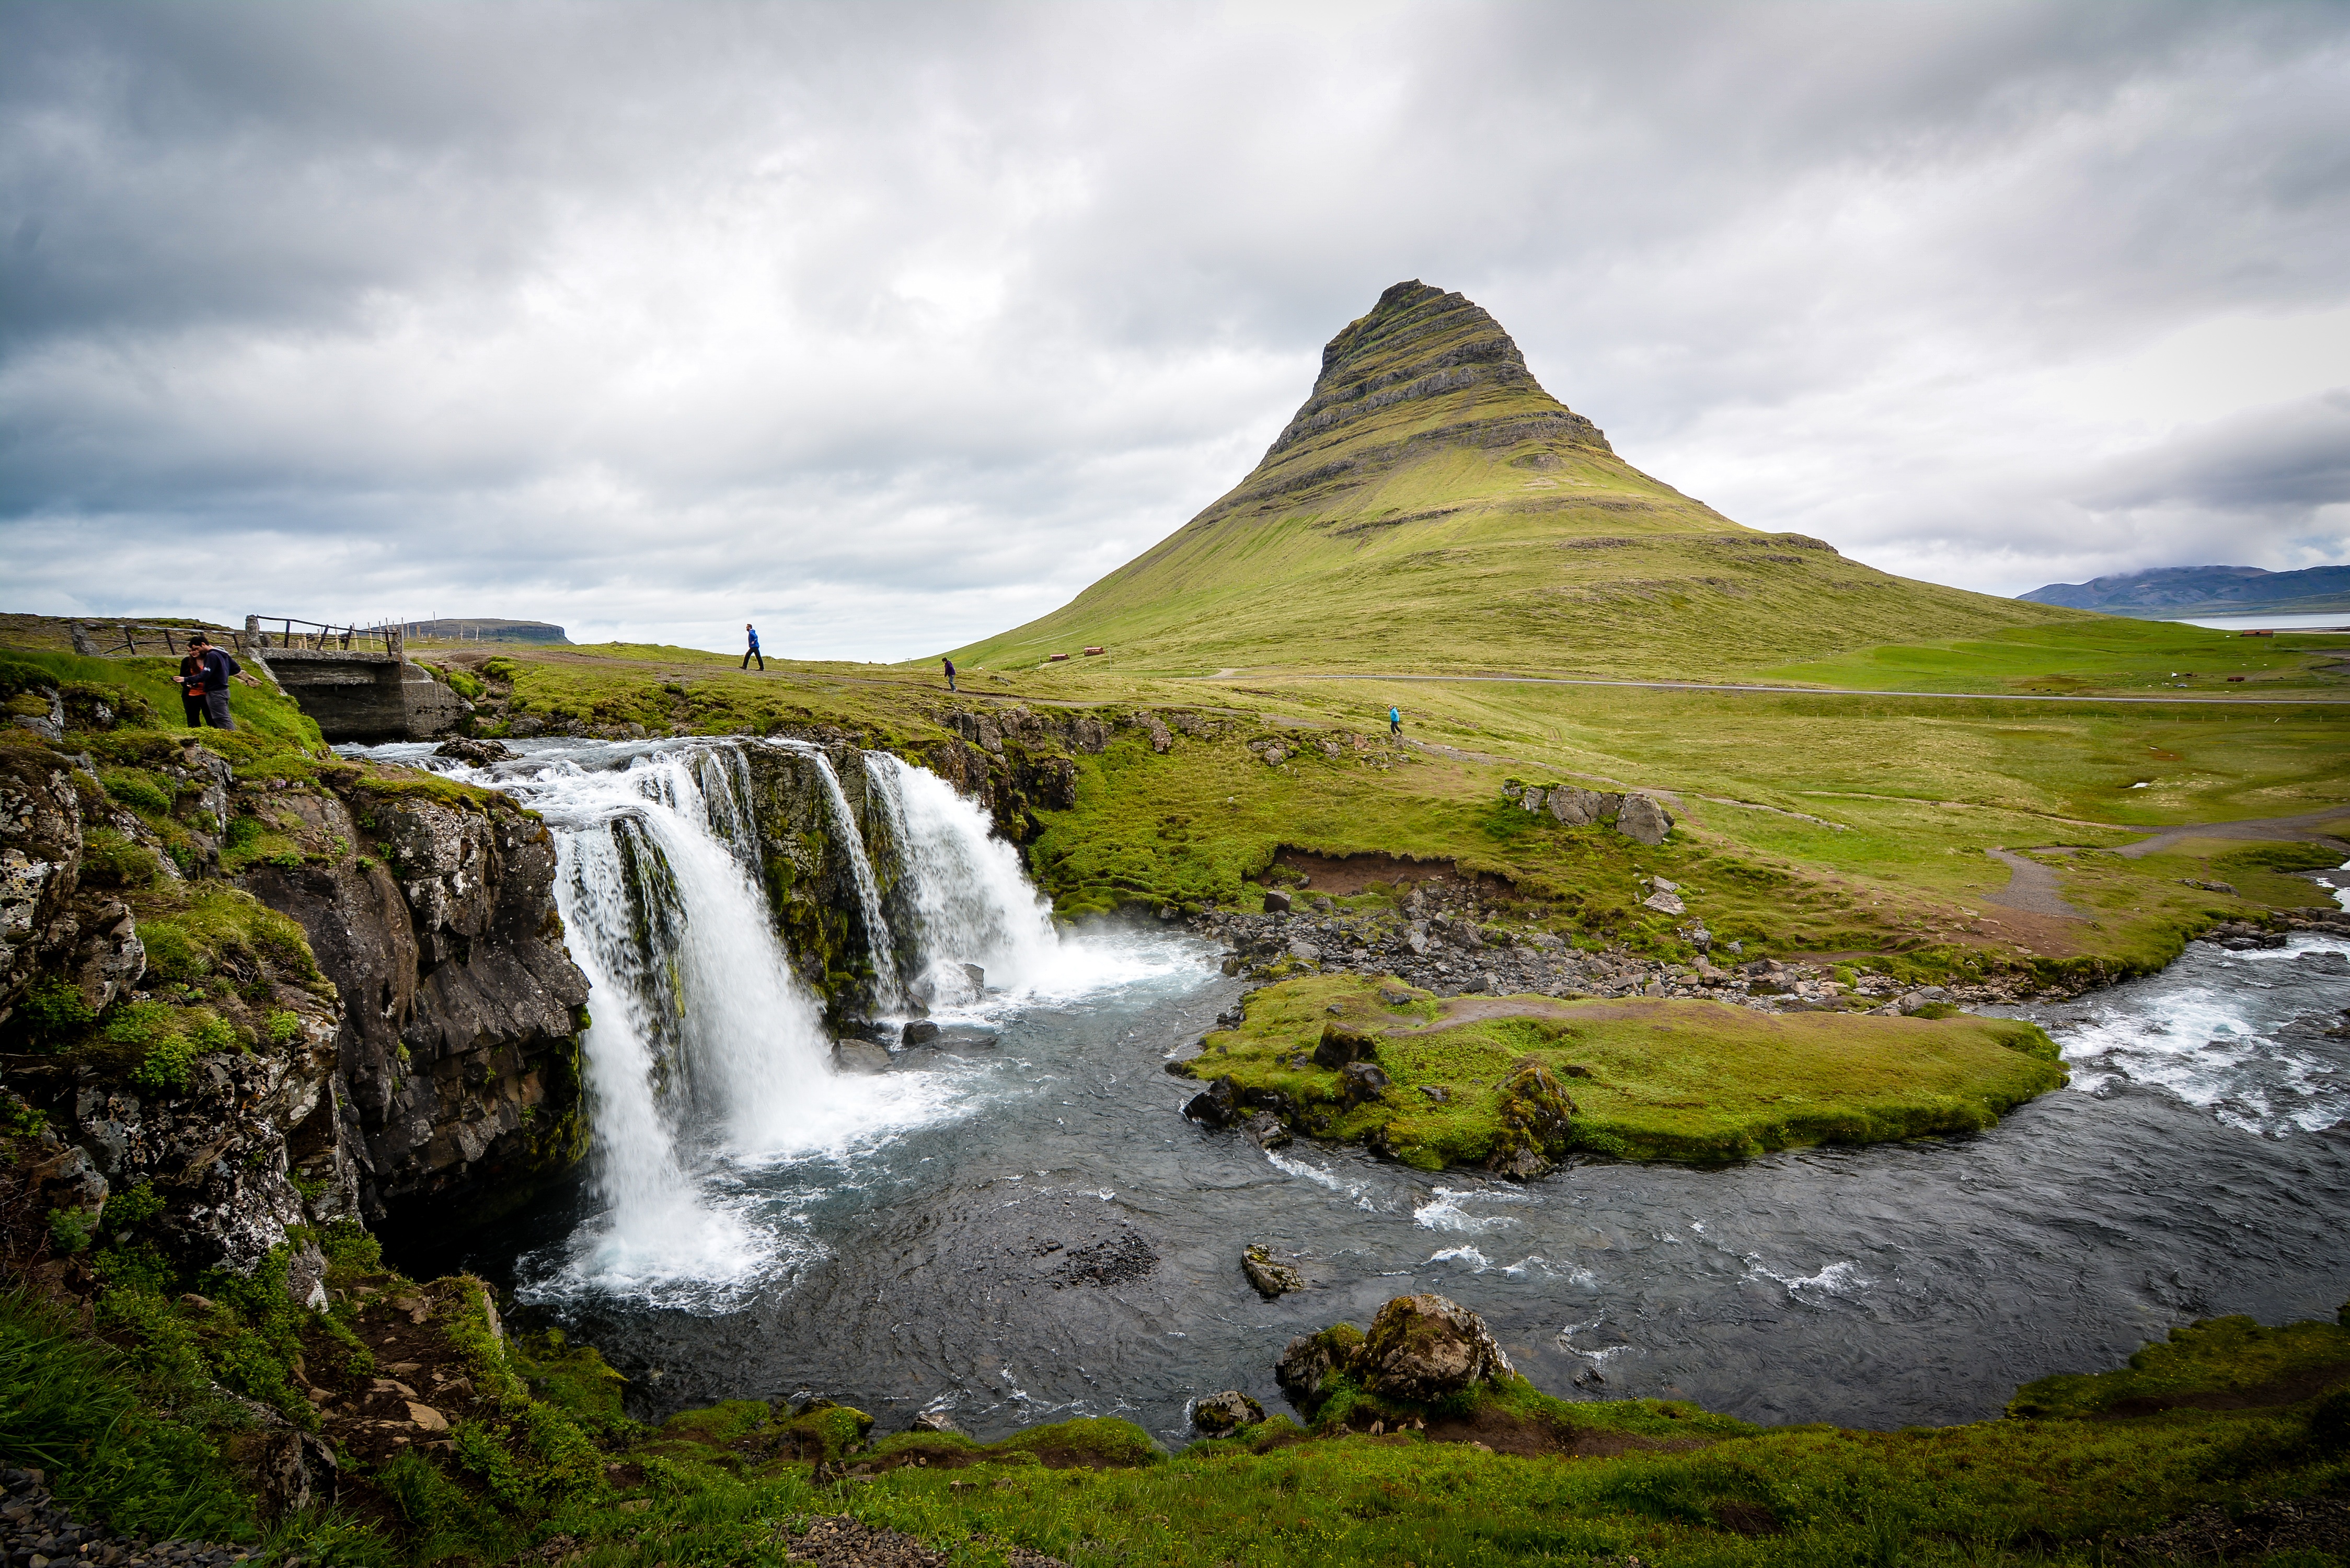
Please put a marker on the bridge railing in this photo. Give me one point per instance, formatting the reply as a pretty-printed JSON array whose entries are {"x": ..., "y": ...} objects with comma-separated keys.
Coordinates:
[
  {"x": 126, "y": 640},
  {"x": 263, "y": 633}
]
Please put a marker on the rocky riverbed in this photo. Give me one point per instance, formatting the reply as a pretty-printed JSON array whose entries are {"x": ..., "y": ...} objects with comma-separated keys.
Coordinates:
[{"x": 1453, "y": 942}]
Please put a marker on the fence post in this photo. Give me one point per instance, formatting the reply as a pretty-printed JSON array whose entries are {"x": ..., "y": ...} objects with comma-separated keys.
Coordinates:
[{"x": 395, "y": 642}]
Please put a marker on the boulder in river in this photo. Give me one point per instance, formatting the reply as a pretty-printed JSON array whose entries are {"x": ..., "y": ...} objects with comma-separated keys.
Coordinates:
[
  {"x": 1270, "y": 1276},
  {"x": 1427, "y": 1347},
  {"x": 1218, "y": 1414},
  {"x": 475, "y": 753},
  {"x": 861, "y": 1056},
  {"x": 1266, "y": 1129},
  {"x": 1216, "y": 1105},
  {"x": 921, "y": 1032}
]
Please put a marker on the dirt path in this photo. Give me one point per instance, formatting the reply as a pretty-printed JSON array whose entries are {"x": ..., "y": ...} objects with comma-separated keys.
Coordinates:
[
  {"x": 1803, "y": 691},
  {"x": 2303, "y": 827},
  {"x": 2030, "y": 887}
]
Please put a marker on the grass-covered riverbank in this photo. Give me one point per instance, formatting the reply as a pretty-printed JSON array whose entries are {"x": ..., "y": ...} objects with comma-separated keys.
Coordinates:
[{"x": 2227, "y": 1430}]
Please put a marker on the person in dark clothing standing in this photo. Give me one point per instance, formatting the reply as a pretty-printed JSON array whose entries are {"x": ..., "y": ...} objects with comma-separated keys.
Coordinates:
[
  {"x": 753, "y": 633},
  {"x": 949, "y": 664},
  {"x": 204, "y": 685}
]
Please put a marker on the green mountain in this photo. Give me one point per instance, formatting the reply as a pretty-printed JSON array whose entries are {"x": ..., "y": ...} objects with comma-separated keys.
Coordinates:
[{"x": 1432, "y": 507}]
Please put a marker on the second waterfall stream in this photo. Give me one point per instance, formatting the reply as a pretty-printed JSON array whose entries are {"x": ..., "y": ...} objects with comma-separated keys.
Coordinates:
[{"x": 708, "y": 1060}]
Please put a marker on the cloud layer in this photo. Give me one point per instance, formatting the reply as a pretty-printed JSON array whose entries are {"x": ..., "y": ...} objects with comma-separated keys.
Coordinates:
[{"x": 889, "y": 326}]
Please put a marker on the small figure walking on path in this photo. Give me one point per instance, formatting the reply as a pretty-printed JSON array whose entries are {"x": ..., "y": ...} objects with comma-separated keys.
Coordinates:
[
  {"x": 949, "y": 664},
  {"x": 204, "y": 685},
  {"x": 753, "y": 633},
  {"x": 1395, "y": 723}
]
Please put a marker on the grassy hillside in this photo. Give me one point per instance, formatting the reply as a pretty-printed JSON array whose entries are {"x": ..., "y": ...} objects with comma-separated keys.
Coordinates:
[{"x": 1432, "y": 507}]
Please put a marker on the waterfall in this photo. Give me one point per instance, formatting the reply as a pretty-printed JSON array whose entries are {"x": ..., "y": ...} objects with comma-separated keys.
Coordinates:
[
  {"x": 964, "y": 893},
  {"x": 707, "y": 1060},
  {"x": 879, "y": 952},
  {"x": 705, "y": 1053}
]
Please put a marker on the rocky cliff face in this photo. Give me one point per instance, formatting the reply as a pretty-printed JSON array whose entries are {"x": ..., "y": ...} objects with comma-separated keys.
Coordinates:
[
  {"x": 240, "y": 998},
  {"x": 459, "y": 1051}
]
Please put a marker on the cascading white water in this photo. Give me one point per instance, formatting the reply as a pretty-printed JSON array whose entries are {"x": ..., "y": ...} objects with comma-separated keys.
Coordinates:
[
  {"x": 707, "y": 1061},
  {"x": 880, "y": 950},
  {"x": 705, "y": 1053},
  {"x": 968, "y": 898}
]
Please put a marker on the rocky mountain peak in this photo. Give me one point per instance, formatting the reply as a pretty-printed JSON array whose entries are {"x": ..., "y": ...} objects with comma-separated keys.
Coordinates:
[{"x": 1418, "y": 343}]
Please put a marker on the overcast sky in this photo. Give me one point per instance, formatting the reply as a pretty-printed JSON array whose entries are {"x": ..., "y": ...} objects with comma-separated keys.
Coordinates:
[{"x": 890, "y": 326}]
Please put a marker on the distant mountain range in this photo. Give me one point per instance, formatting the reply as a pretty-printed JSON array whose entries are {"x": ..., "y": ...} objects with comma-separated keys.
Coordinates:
[
  {"x": 488, "y": 628},
  {"x": 2164, "y": 593}
]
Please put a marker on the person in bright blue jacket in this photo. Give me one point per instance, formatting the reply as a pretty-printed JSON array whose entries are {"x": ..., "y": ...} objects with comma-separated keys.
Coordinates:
[{"x": 753, "y": 633}]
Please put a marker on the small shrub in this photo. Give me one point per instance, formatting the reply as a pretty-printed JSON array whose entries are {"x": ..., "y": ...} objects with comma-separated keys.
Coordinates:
[
  {"x": 167, "y": 1041},
  {"x": 107, "y": 858},
  {"x": 53, "y": 1012},
  {"x": 70, "y": 1229},
  {"x": 142, "y": 791},
  {"x": 134, "y": 1206}
]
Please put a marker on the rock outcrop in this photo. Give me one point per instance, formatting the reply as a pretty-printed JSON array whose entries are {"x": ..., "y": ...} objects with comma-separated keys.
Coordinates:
[
  {"x": 1219, "y": 1415},
  {"x": 459, "y": 1048},
  {"x": 1427, "y": 1347},
  {"x": 243, "y": 999}
]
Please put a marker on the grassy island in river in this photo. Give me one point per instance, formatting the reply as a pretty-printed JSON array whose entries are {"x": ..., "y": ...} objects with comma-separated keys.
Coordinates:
[{"x": 1480, "y": 1080}]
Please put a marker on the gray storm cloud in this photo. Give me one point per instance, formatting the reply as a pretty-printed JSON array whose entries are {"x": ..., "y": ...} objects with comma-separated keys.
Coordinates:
[{"x": 890, "y": 327}]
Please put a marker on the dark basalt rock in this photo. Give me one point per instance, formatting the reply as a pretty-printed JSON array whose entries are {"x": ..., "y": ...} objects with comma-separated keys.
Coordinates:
[
  {"x": 1219, "y": 1415},
  {"x": 1339, "y": 1047},
  {"x": 1217, "y": 1104},
  {"x": 1423, "y": 1349},
  {"x": 1271, "y": 1277}
]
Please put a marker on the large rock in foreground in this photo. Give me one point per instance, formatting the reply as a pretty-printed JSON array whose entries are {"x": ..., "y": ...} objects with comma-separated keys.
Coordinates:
[
  {"x": 1421, "y": 1349},
  {"x": 1424, "y": 1348}
]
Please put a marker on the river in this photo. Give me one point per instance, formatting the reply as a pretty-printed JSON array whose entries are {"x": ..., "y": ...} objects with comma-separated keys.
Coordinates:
[{"x": 1022, "y": 1227}]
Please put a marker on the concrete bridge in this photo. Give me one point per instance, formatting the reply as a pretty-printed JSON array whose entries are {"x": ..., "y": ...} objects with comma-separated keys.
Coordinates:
[{"x": 356, "y": 681}]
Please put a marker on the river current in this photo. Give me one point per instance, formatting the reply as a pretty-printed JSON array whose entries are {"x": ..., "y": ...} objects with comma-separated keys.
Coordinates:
[{"x": 1023, "y": 1227}]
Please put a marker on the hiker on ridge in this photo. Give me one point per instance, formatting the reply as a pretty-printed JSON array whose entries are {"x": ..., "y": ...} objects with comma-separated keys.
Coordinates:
[
  {"x": 753, "y": 633},
  {"x": 949, "y": 664}
]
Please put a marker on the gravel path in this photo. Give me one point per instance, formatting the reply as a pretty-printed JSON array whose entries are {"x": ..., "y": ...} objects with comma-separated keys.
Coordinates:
[
  {"x": 36, "y": 1532},
  {"x": 2031, "y": 886}
]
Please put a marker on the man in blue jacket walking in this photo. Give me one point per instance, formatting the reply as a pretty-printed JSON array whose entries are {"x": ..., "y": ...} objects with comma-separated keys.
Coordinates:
[{"x": 753, "y": 633}]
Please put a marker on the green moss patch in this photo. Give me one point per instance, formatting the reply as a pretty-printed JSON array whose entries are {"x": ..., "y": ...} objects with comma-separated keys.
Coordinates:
[
  {"x": 2218, "y": 1364},
  {"x": 1646, "y": 1078}
]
